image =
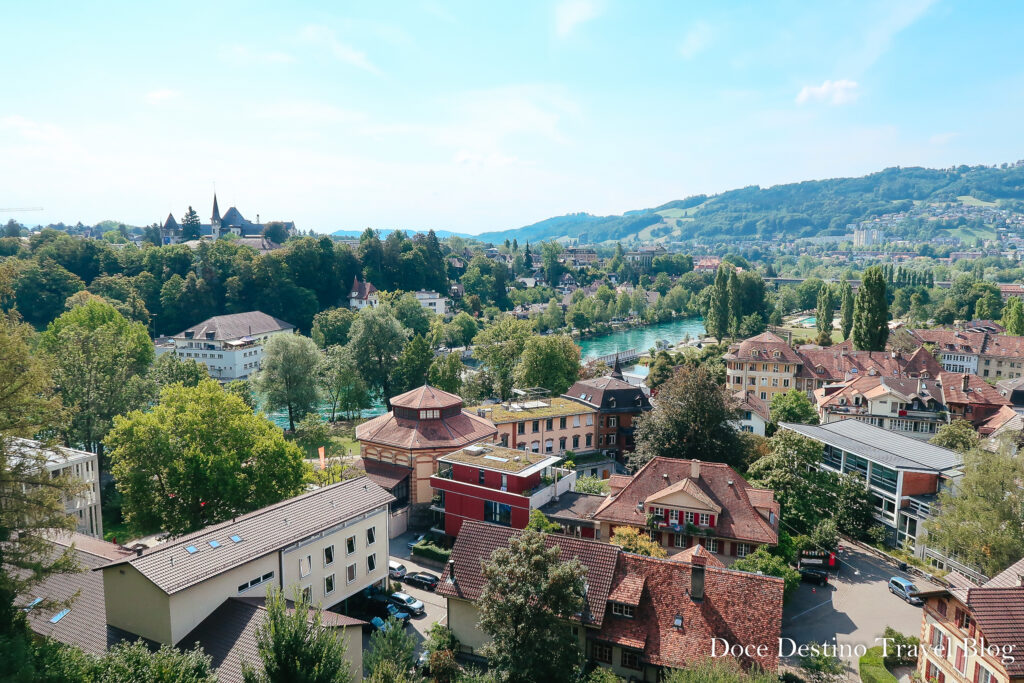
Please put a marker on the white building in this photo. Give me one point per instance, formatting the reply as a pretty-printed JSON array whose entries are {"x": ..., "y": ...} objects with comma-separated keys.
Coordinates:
[
  {"x": 754, "y": 413},
  {"x": 231, "y": 346},
  {"x": 432, "y": 301},
  {"x": 363, "y": 295},
  {"x": 75, "y": 464}
]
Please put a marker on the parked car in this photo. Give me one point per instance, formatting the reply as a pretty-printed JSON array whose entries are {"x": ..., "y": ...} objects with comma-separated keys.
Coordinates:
[
  {"x": 814, "y": 575},
  {"x": 424, "y": 580},
  {"x": 408, "y": 603},
  {"x": 904, "y": 589},
  {"x": 416, "y": 539},
  {"x": 379, "y": 624},
  {"x": 381, "y": 606},
  {"x": 396, "y": 570}
]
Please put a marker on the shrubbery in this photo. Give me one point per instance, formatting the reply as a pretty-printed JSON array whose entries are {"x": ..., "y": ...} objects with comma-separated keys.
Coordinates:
[{"x": 430, "y": 551}]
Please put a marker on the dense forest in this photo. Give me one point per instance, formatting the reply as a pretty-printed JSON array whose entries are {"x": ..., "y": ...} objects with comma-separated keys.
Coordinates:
[{"x": 810, "y": 208}]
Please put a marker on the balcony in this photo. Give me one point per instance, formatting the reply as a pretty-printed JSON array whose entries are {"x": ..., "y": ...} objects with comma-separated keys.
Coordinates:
[{"x": 565, "y": 481}]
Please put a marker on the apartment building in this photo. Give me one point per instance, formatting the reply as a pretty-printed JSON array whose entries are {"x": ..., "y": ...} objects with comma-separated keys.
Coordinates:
[
  {"x": 977, "y": 351},
  {"x": 618, "y": 404},
  {"x": 543, "y": 424},
  {"x": 974, "y": 634},
  {"x": 641, "y": 615},
  {"x": 432, "y": 301},
  {"x": 490, "y": 483},
  {"x": 230, "y": 346},
  {"x": 79, "y": 466},
  {"x": 764, "y": 365}
]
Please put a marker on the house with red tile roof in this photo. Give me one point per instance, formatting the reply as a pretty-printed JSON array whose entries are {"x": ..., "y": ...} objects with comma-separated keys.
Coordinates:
[
  {"x": 363, "y": 295},
  {"x": 641, "y": 615},
  {"x": 692, "y": 502}
]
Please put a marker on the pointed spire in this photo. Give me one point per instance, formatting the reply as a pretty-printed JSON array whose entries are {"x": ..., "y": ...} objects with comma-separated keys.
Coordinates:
[
  {"x": 617, "y": 368},
  {"x": 216, "y": 210}
]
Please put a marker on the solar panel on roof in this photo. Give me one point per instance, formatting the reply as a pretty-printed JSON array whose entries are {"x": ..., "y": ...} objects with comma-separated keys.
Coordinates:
[
  {"x": 191, "y": 549},
  {"x": 59, "y": 615}
]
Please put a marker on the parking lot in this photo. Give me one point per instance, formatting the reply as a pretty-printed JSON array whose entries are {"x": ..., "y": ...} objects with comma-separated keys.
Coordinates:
[{"x": 855, "y": 607}]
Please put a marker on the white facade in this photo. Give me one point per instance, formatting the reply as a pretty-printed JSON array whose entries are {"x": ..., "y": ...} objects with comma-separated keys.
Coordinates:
[
  {"x": 75, "y": 464},
  {"x": 230, "y": 346},
  {"x": 432, "y": 301},
  {"x": 358, "y": 303},
  {"x": 959, "y": 362},
  {"x": 750, "y": 422}
]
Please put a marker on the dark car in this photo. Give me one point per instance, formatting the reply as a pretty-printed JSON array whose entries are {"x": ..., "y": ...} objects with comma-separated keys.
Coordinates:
[
  {"x": 817, "y": 576},
  {"x": 424, "y": 580},
  {"x": 382, "y": 606}
]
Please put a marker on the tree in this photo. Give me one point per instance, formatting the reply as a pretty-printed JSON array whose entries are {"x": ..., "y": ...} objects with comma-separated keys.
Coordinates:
[
  {"x": 375, "y": 340},
  {"x": 846, "y": 308},
  {"x": 716, "y": 319},
  {"x": 692, "y": 418},
  {"x": 661, "y": 371},
  {"x": 413, "y": 316},
  {"x": 719, "y": 670},
  {"x": 312, "y": 433},
  {"x": 1013, "y": 316},
  {"x": 983, "y": 524},
  {"x": 190, "y": 225},
  {"x": 761, "y": 561},
  {"x": 461, "y": 330},
  {"x": 552, "y": 362},
  {"x": 826, "y": 308},
  {"x": 790, "y": 470},
  {"x": 171, "y": 369},
  {"x": 413, "y": 365},
  {"x": 871, "y": 312},
  {"x": 392, "y": 646},
  {"x": 735, "y": 315},
  {"x": 633, "y": 540},
  {"x": 529, "y": 596},
  {"x": 588, "y": 484},
  {"x": 98, "y": 359},
  {"x": 200, "y": 456},
  {"x": 825, "y": 535},
  {"x": 288, "y": 377},
  {"x": 41, "y": 288},
  {"x": 331, "y": 327},
  {"x": 853, "y": 511},
  {"x": 294, "y": 645},
  {"x": 276, "y": 232},
  {"x": 540, "y": 522},
  {"x": 958, "y": 435},
  {"x": 136, "y": 662},
  {"x": 499, "y": 348},
  {"x": 243, "y": 390},
  {"x": 341, "y": 383},
  {"x": 793, "y": 406},
  {"x": 446, "y": 373}
]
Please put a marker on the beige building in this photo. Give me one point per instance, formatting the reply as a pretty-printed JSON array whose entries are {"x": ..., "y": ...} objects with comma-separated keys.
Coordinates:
[
  {"x": 76, "y": 465},
  {"x": 543, "y": 425},
  {"x": 764, "y": 365},
  {"x": 328, "y": 545}
]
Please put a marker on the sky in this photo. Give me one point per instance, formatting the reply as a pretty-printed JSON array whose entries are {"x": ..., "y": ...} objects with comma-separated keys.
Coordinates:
[{"x": 473, "y": 116}]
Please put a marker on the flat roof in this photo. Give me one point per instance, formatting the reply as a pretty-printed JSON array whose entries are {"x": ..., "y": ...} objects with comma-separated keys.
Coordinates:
[
  {"x": 501, "y": 459},
  {"x": 881, "y": 445},
  {"x": 532, "y": 409}
]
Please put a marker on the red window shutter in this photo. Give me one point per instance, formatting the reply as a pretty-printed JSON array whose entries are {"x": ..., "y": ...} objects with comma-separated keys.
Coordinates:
[
  {"x": 970, "y": 630},
  {"x": 732, "y": 549},
  {"x": 711, "y": 520},
  {"x": 942, "y": 677},
  {"x": 959, "y": 659},
  {"x": 977, "y": 671}
]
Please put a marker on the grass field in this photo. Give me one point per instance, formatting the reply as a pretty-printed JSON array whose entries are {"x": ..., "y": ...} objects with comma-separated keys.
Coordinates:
[
  {"x": 967, "y": 234},
  {"x": 974, "y": 201}
]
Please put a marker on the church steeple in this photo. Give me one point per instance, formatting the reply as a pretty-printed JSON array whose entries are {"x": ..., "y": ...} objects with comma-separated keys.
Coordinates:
[
  {"x": 216, "y": 211},
  {"x": 215, "y": 219},
  {"x": 617, "y": 369}
]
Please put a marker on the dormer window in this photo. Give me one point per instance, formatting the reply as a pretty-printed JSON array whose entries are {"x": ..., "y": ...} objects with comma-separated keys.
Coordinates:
[
  {"x": 620, "y": 610},
  {"x": 753, "y": 353},
  {"x": 611, "y": 402},
  {"x": 430, "y": 414},
  {"x": 776, "y": 354}
]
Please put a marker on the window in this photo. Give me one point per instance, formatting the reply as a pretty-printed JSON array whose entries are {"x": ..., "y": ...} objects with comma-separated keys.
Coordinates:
[
  {"x": 575, "y": 420},
  {"x": 621, "y": 610},
  {"x": 590, "y": 440},
  {"x": 371, "y": 535},
  {"x": 536, "y": 426},
  {"x": 549, "y": 446},
  {"x": 498, "y": 513},
  {"x": 307, "y": 593},
  {"x": 673, "y": 516},
  {"x": 328, "y": 584},
  {"x": 630, "y": 660},
  {"x": 481, "y": 477},
  {"x": 328, "y": 555},
  {"x": 305, "y": 563},
  {"x": 689, "y": 517},
  {"x": 561, "y": 423},
  {"x": 590, "y": 419},
  {"x": 940, "y": 607},
  {"x": 430, "y": 414},
  {"x": 255, "y": 582},
  {"x": 350, "y": 573},
  {"x": 613, "y": 421},
  {"x": 960, "y": 659},
  {"x": 350, "y": 545},
  {"x": 711, "y": 544},
  {"x": 679, "y": 541},
  {"x": 521, "y": 428},
  {"x": 983, "y": 675},
  {"x": 602, "y": 652},
  {"x": 742, "y": 549},
  {"x": 576, "y": 441},
  {"x": 550, "y": 424},
  {"x": 612, "y": 438},
  {"x": 703, "y": 519},
  {"x": 939, "y": 641},
  {"x": 371, "y": 563},
  {"x": 561, "y": 443}
]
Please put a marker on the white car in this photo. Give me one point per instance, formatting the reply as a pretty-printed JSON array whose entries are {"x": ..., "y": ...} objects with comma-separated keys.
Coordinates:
[{"x": 396, "y": 570}]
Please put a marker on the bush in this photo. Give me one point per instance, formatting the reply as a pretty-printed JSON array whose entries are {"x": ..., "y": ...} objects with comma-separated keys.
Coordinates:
[
  {"x": 872, "y": 669},
  {"x": 876, "y": 534},
  {"x": 430, "y": 551},
  {"x": 898, "y": 648}
]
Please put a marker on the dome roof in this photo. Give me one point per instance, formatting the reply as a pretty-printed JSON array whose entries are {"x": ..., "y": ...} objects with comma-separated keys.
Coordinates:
[{"x": 426, "y": 397}]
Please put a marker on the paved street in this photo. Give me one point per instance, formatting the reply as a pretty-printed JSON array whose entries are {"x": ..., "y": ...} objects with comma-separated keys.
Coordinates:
[{"x": 854, "y": 608}]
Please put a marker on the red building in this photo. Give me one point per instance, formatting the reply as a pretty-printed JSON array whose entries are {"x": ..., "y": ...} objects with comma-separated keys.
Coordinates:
[{"x": 494, "y": 484}]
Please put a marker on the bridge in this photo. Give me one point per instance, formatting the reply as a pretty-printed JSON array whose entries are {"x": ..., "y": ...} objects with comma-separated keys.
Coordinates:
[{"x": 628, "y": 357}]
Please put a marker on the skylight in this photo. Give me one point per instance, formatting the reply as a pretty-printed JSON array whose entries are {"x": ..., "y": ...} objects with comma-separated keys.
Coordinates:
[
  {"x": 191, "y": 549},
  {"x": 235, "y": 538},
  {"x": 32, "y": 604},
  {"x": 59, "y": 615},
  {"x": 214, "y": 544}
]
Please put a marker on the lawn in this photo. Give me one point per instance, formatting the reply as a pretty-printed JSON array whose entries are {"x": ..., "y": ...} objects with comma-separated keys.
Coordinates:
[
  {"x": 974, "y": 201},
  {"x": 872, "y": 668}
]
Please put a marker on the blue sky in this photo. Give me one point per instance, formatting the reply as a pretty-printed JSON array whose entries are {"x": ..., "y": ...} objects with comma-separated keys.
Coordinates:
[{"x": 473, "y": 116}]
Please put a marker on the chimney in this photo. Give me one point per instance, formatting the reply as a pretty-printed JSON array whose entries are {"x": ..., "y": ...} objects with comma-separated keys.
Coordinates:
[
  {"x": 451, "y": 570},
  {"x": 963, "y": 381},
  {"x": 664, "y": 476},
  {"x": 1020, "y": 580},
  {"x": 694, "y": 469},
  {"x": 138, "y": 552},
  {"x": 697, "y": 579}
]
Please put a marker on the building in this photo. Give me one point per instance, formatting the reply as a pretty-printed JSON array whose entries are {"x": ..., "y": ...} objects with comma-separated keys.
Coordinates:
[
  {"x": 978, "y": 351},
  {"x": 644, "y": 256},
  {"x": 580, "y": 256},
  {"x": 542, "y": 424},
  {"x": 755, "y": 413},
  {"x": 708, "y": 264},
  {"x": 821, "y": 366},
  {"x": 641, "y": 615},
  {"x": 1013, "y": 391},
  {"x": 867, "y": 237},
  {"x": 764, "y": 365},
  {"x": 958, "y": 350},
  {"x": 974, "y": 634},
  {"x": 230, "y": 346},
  {"x": 618, "y": 404},
  {"x": 231, "y": 223},
  {"x": 363, "y": 295},
  {"x": 494, "y": 484},
  {"x": 903, "y": 477},
  {"x": 693, "y": 502},
  {"x": 80, "y": 466},
  {"x": 432, "y": 301},
  {"x": 422, "y": 425},
  {"x": 329, "y": 544}
]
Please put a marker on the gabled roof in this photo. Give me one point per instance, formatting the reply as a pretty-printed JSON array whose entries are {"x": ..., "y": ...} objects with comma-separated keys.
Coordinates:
[
  {"x": 609, "y": 394},
  {"x": 361, "y": 290},
  {"x": 748, "y": 400},
  {"x": 717, "y": 482},
  {"x": 999, "y": 421},
  {"x": 999, "y": 615},
  {"x": 235, "y": 326},
  {"x": 172, "y": 567},
  {"x": 627, "y": 587},
  {"x": 832, "y": 364},
  {"x": 710, "y": 560},
  {"x": 1009, "y": 577},
  {"x": 881, "y": 445},
  {"x": 978, "y": 390},
  {"x": 690, "y": 488},
  {"x": 766, "y": 347},
  {"x": 477, "y": 541}
]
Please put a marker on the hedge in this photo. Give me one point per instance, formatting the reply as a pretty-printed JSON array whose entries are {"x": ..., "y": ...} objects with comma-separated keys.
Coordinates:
[
  {"x": 431, "y": 552},
  {"x": 872, "y": 668}
]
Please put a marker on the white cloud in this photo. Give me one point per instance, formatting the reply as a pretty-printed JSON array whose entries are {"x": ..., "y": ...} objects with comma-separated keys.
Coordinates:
[
  {"x": 343, "y": 52},
  {"x": 830, "y": 92},
  {"x": 696, "y": 40},
  {"x": 571, "y": 13},
  {"x": 161, "y": 95},
  {"x": 943, "y": 138},
  {"x": 240, "y": 54}
]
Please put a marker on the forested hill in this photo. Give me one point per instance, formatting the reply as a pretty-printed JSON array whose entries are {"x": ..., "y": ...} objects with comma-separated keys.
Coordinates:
[{"x": 807, "y": 209}]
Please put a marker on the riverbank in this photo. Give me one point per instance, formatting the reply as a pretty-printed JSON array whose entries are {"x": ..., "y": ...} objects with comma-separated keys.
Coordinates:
[{"x": 641, "y": 337}]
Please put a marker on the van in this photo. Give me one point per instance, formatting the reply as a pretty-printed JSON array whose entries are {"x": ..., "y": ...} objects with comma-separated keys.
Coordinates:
[{"x": 903, "y": 588}]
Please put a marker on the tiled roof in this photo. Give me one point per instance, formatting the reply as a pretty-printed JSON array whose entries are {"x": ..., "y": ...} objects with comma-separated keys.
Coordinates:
[
  {"x": 697, "y": 551},
  {"x": 362, "y": 290},
  {"x": 86, "y": 624},
  {"x": 998, "y": 421},
  {"x": 744, "y": 608},
  {"x": 978, "y": 390},
  {"x": 626, "y": 587},
  {"x": 765, "y": 347},
  {"x": 748, "y": 400},
  {"x": 1009, "y": 577},
  {"x": 385, "y": 474},
  {"x": 834, "y": 365},
  {"x": 172, "y": 568},
  {"x": 881, "y": 445},
  {"x": 999, "y": 615},
  {"x": 425, "y": 397},
  {"x": 229, "y": 634},
  {"x": 738, "y": 518},
  {"x": 618, "y": 481},
  {"x": 477, "y": 541},
  {"x": 236, "y": 326},
  {"x": 1004, "y": 345},
  {"x": 951, "y": 341},
  {"x": 449, "y": 432},
  {"x": 601, "y": 392}
]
